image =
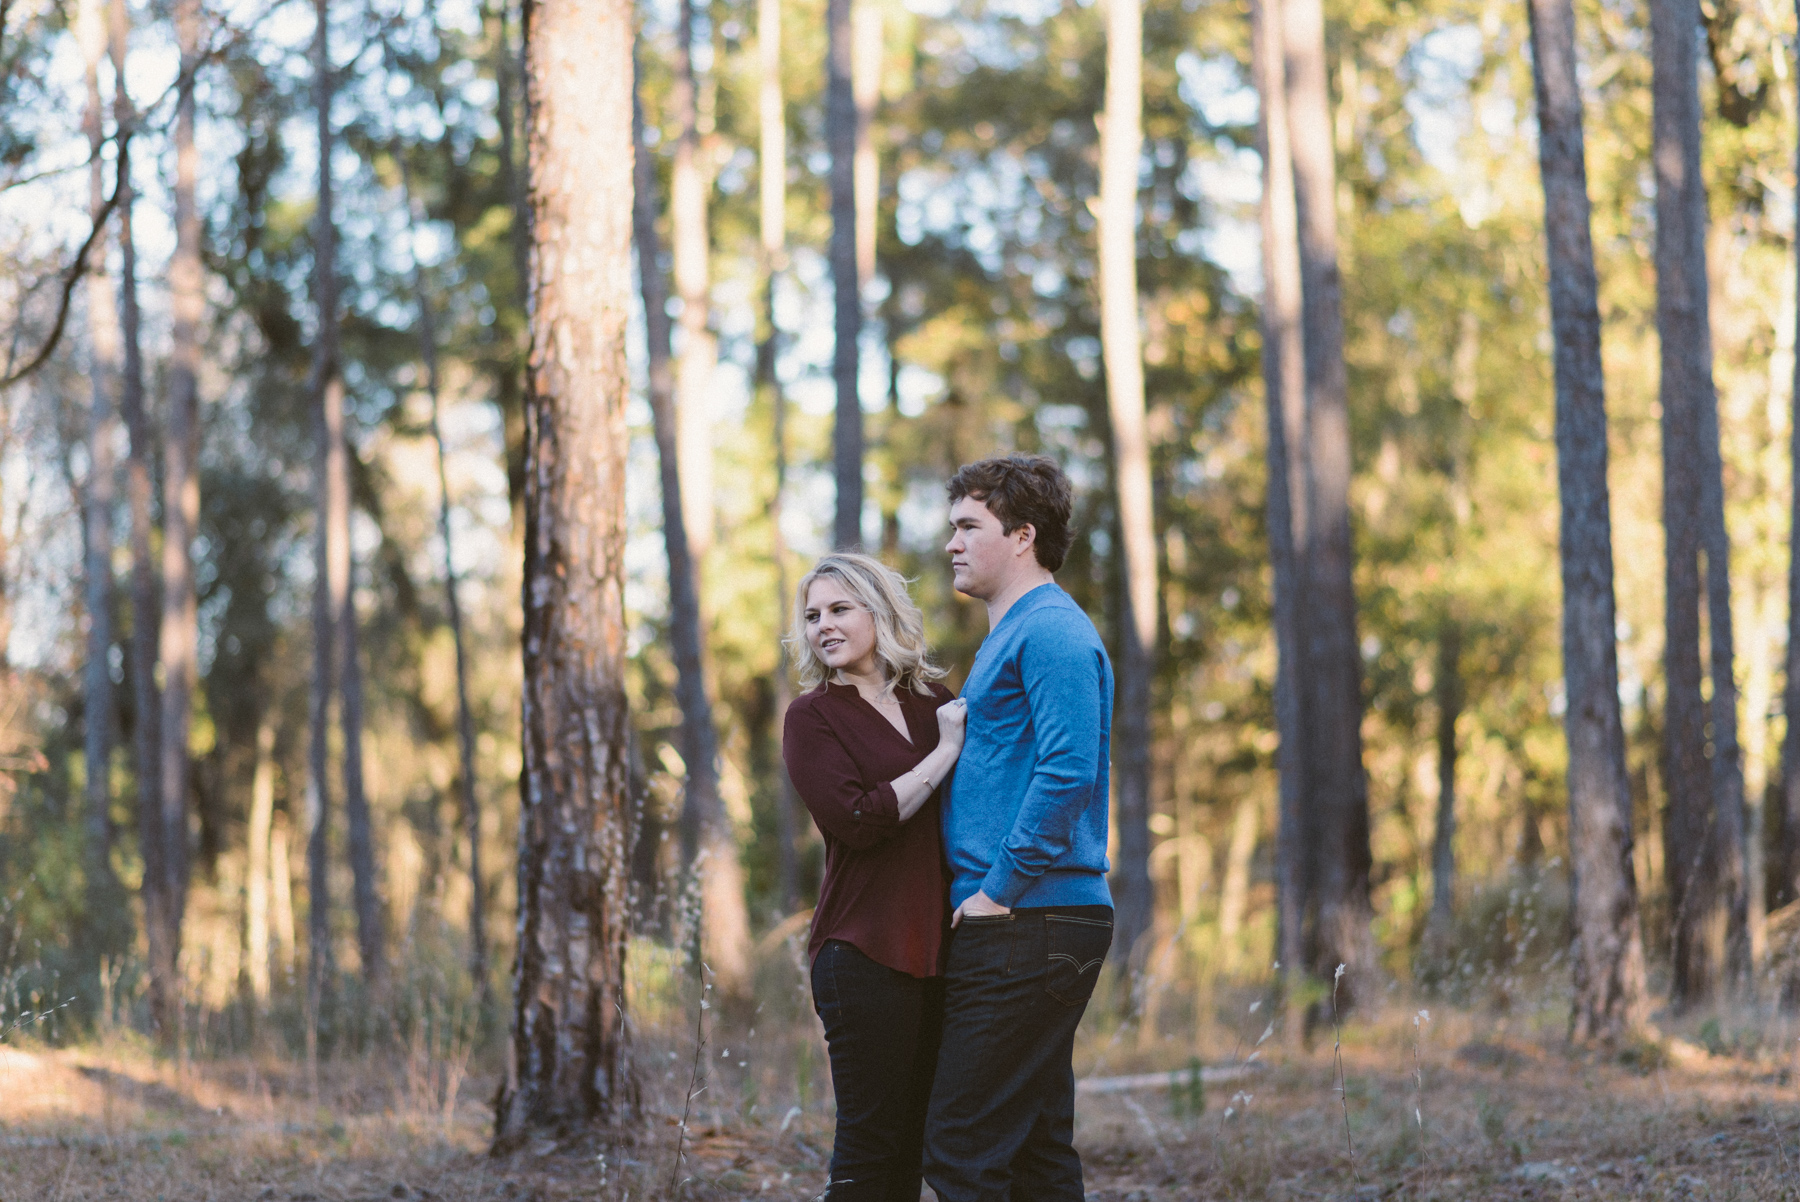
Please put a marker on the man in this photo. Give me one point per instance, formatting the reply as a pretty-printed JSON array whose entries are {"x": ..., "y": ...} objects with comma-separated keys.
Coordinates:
[{"x": 1025, "y": 834}]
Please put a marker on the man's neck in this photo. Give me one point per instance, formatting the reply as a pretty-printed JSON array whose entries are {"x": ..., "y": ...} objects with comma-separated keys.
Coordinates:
[{"x": 1004, "y": 600}]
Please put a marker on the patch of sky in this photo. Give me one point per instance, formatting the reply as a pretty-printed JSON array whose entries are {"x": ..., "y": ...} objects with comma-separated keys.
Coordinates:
[
  {"x": 1215, "y": 88},
  {"x": 918, "y": 387},
  {"x": 1442, "y": 64}
]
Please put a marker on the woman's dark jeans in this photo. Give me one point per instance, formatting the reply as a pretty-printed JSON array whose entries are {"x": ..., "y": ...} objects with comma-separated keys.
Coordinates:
[{"x": 882, "y": 1029}]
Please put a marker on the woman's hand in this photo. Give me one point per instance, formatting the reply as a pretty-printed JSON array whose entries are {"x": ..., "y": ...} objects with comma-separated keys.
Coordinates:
[{"x": 952, "y": 717}]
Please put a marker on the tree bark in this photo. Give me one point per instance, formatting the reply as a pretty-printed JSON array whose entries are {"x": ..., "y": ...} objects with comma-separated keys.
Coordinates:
[
  {"x": 708, "y": 845},
  {"x": 1337, "y": 786},
  {"x": 1790, "y": 742},
  {"x": 106, "y": 913},
  {"x": 181, "y": 473},
  {"x": 840, "y": 139},
  {"x": 1607, "y": 953},
  {"x": 365, "y": 888},
  {"x": 1705, "y": 807},
  {"x": 161, "y": 917},
  {"x": 1284, "y": 380},
  {"x": 330, "y": 562},
  {"x": 570, "y": 1039},
  {"x": 1121, "y": 141},
  {"x": 690, "y": 186},
  {"x": 257, "y": 870},
  {"x": 773, "y": 133},
  {"x": 465, "y": 718},
  {"x": 1449, "y": 690}
]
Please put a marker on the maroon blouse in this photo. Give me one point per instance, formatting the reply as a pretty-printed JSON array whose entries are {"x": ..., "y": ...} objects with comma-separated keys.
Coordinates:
[{"x": 885, "y": 889}]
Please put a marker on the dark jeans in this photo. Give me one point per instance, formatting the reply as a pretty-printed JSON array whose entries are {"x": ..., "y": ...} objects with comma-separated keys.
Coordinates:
[
  {"x": 882, "y": 1028},
  {"x": 1002, "y": 1122}
]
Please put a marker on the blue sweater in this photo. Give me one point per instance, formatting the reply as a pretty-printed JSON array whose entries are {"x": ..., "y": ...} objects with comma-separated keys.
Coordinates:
[{"x": 1026, "y": 816}]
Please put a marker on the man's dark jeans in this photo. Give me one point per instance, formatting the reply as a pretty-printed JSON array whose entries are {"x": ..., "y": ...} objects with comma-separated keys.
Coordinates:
[
  {"x": 882, "y": 1028},
  {"x": 1002, "y": 1121}
]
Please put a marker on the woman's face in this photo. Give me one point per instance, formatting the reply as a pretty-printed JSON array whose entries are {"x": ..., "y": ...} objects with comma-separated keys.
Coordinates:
[{"x": 838, "y": 629}]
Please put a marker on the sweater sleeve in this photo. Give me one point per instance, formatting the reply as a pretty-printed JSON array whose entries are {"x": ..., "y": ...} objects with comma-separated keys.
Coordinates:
[
  {"x": 1062, "y": 680},
  {"x": 827, "y": 779}
]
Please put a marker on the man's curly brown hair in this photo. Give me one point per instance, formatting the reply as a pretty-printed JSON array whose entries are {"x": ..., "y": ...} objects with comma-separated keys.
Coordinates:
[{"x": 1023, "y": 490}]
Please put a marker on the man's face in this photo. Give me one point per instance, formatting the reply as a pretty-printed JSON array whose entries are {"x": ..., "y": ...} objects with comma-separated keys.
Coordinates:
[{"x": 983, "y": 558}]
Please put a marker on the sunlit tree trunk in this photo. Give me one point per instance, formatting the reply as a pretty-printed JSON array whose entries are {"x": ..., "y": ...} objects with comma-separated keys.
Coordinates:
[
  {"x": 1607, "y": 954},
  {"x": 1121, "y": 141},
  {"x": 1337, "y": 787},
  {"x": 690, "y": 187},
  {"x": 1790, "y": 744},
  {"x": 840, "y": 140},
  {"x": 773, "y": 221},
  {"x": 708, "y": 842},
  {"x": 570, "y": 1038},
  {"x": 1284, "y": 380},
  {"x": 1705, "y": 805},
  {"x": 181, "y": 472},
  {"x": 256, "y": 860},
  {"x": 365, "y": 891},
  {"x": 865, "y": 86},
  {"x": 109, "y": 922},
  {"x": 161, "y": 917}
]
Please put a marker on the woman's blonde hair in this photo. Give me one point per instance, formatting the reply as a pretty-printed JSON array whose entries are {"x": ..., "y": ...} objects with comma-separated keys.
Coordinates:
[{"x": 899, "y": 626}]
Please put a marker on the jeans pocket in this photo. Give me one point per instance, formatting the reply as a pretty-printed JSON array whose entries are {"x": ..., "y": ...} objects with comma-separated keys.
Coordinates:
[{"x": 1076, "y": 947}]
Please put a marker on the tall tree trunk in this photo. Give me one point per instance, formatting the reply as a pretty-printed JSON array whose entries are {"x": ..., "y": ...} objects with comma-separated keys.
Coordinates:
[
  {"x": 1338, "y": 788},
  {"x": 1759, "y": 696},
  {"x": 840, "y": 139},
  {"x": 105, "y": 911},
  {"x": 281, "y": 896},
  {"x": 1121, "y": 143},
  {"x": 465, "y": 718},
  {"x": 505, "y": 68},
  {"x": 1284, "y": 381},
  {"x": 330, "y": 563},
  {"x": 365, "y": 889},
  {"x": 181, "y": 473},
  {"x": 1705, "y": 807},
  {"x": 708, "y": 844},
  {"x": 161, "y": 921},
  {"x": 773, "y": 133},
  {"x": 690, "y": 186},
  {"x": 570, "y": 1038},
  {"x": 1449, "y": 690},
  {"x": 1608, "y": 952},
  {"x": 1790, "y": 742},
  {"x": 256, "y": 860}
]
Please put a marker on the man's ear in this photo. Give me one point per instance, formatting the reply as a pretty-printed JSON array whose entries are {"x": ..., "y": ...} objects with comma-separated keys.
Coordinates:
[{"x": 1026, "y": 536}]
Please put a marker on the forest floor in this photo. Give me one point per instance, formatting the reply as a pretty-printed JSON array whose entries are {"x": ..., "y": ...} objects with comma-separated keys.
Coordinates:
[{"x": 1487, "y": 1110}]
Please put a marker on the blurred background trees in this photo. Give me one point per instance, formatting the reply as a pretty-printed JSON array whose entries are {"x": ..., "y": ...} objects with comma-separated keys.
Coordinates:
[{"x": 263, "y": 506}]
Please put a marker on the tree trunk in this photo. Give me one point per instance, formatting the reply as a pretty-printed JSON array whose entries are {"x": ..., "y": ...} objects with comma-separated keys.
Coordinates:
[
  {"x": 1790, "y": 742},
  {"x": 708, "y": 845},
  {"x": 161, "y": 918},
  {"x": 281, "y": 896},
  {"x": 107, "y": 916},
  {"x": 1759, "y": 696},
  {"x": 1338, "y": 788},
  {"x": 570, "y": 1038},
  {"x": 1234, "y": 891},
  {"x": 1120, "y": 146},
  {"x": 1449, "y": 689},
  {"x": 773, "y": 132},
  {"x": 365, "y": 889},
  {"x": 1705, "y": 807},
  {"x": 257, "y": 873},
  {"x": 841, "y": 139},
  {"x": 330, "y": 563},
  {"x": 690, "y": 184},
  {"x": 465, "y": 719},
  {"x": 1607, "y": 953},
  {"x": 1284, "y": 378},
  {"x": 181, "y": 473}
]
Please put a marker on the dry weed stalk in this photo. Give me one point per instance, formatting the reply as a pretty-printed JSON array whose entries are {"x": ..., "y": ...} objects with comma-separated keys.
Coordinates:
[{"x": 1337, "y": 1052}]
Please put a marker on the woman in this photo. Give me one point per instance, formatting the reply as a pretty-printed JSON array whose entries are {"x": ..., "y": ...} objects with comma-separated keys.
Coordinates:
[{"x": 867, "y": 747}]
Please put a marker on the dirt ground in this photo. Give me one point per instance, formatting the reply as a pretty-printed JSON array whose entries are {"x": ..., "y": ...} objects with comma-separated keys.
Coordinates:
[{"x": 1481, "y": 1113}]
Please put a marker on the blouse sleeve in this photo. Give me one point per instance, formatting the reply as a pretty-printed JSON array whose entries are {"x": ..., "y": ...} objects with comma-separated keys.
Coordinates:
[{"x": 828, "y": 782}]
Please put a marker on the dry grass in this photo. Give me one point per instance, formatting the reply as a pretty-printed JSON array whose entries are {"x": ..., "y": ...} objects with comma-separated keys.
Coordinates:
[{"x": 1505, "y": 1112}]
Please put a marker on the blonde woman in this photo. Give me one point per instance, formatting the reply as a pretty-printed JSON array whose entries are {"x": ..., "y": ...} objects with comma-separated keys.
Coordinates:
[{"x": 868, "y": 746}]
